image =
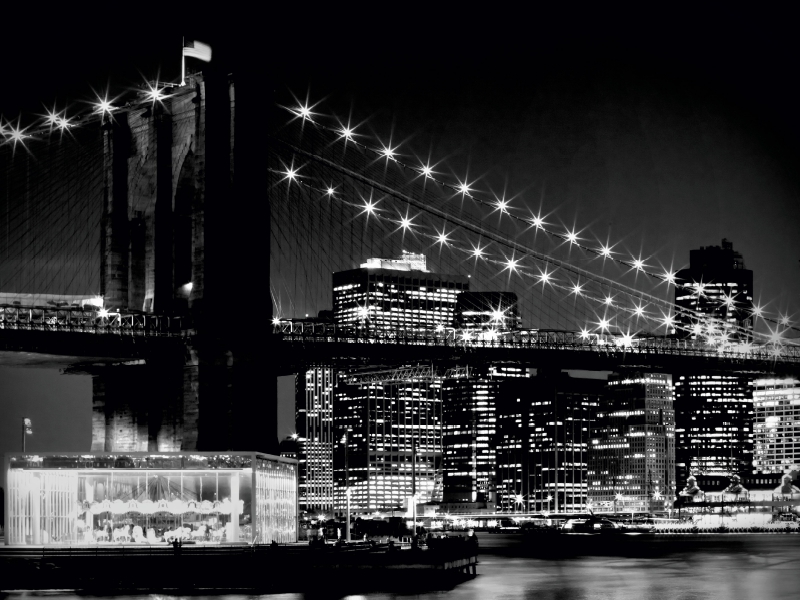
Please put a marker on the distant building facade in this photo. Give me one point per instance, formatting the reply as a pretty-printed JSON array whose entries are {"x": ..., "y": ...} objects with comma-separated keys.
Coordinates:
[
  {"x": 315, "y": 441},
  {"x": 713, "y": 425},
  {"x": 543, "y": 437},
  {"x": 469, "y": 409},
  {"x": 385, "y": 414},
  {"x": 390, "y": 295},
  {"x": 776, "y": 425},
  {"x": 632, "y": 456}
]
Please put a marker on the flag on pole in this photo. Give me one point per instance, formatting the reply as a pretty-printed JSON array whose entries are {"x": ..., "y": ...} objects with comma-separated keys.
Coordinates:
[{"x": 197, "y": 50}]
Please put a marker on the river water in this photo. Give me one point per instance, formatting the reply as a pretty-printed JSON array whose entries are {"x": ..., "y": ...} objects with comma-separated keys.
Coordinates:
[{"x": 734, "y": 567}]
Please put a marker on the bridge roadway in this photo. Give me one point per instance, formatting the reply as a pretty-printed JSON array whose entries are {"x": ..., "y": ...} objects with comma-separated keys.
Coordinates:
[{"x": 92, "y": 335}]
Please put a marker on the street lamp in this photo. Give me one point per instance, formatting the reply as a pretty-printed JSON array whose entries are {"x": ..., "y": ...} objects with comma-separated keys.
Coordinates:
[
  {"x": 26, "y": 430},
  {"x": 414, "y": 487},
  {"x": 346, "y": 488}
]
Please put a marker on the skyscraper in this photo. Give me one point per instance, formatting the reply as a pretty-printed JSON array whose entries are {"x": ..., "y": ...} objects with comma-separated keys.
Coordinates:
[
  {"x": 468, "y": 438},
  {"x": 776, "y": 427},
  {"x": 713, "y": 425},
  {"x": 713, "y": 414},
  {"x": 543, "y": 434},
  {"x": 632, "y": 455},
  {"x": 384, "y": 414},
  {"x": 387, "y": 295},
  {"x": 717, "y": 285},
  {"x": 314, "y": 427}
]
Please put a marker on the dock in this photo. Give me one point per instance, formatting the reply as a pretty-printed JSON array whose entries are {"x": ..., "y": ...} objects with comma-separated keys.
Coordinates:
[{"x": 237, "y": 567}]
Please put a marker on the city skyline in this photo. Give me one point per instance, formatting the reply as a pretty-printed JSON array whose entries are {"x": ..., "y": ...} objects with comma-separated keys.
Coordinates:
[{"x": 488, "y": 102}]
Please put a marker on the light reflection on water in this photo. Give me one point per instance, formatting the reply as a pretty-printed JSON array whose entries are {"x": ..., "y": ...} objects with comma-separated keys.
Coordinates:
[{"x": 768, "y": 569}]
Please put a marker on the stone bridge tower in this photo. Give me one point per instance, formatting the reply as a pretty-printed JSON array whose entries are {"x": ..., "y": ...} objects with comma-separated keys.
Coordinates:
[{"x": 184, "y": 221}]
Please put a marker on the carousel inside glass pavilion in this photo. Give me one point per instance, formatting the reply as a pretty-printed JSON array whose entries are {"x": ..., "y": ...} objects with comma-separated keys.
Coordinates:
[{"x": 143, "y": 498}]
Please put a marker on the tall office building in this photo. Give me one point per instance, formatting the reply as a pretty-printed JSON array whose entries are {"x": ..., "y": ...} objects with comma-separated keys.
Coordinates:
[
  {"x": 713, "y": 425},
  {"x": 385, "y": 414},
  {"x": 632, "y": 456},
  {"x": 314, "y": 429},
  {"x": 776, "y": 426},
  {"x": 718, "y": 285},
  {"x": 713, "y": 414},
  {"x": 468, "y": 438},
  {"x": 390, "y": 295},
  {"x": 543, "y": 435}
]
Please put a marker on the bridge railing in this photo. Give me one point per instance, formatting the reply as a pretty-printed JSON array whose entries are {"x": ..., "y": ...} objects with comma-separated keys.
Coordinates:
[
  {"x": 86, "y": 320},
  {"x": 535, "y": 339}
]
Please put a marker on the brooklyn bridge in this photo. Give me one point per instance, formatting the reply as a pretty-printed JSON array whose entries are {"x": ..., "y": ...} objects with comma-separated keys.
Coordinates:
[{"x": 178, "y": 243}]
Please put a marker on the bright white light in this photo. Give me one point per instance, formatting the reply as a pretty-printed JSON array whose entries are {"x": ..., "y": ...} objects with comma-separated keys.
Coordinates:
[
  {"x": 572, "y": 237},
  {"x": 584, "y": 333},
  {"x": 757, "y": 311},
  {"x": 426, "y": 170},
  {"x": 330, "y": 191},
  {"x": 63, "y": 123},
  {"x": 155, "y": 94},
  {"x": 464, "y": 188},
  {"x": 537, "y": 222},
  {"x": 669, "y": 276},
  {"x": 502, "y": 205},
  {"x": 439, "y": 328},
  {"x": 669, "y": 321},
  {"x": 276, "y": 321},
  {"x": 16, "y": 134},
  {"x": 369, "y": 207},
  {"x": 605, "y": 251},
  {"x": 465, "y": 336},
  {"x": 577, "y": 290},
  {"x": 511, "y": 264},
  {"x": 727, "y": 301},
  {"x": 478, "y": 252},
  {"x": 784, "y": 320},
  {"x": 609, "y": 300},
  {"x": 388, "y": 152},
  {"x": 519, "y": 499},
  {"x": 363, "y": 312},
  {"x": 346, "y": 133},
  {"x": 103, "y": 106},
  {"x": 405, "y": 222},
  {"x": 304, "y": 111},
  {"x": 638, "y": 264},
  {"x": 545, "y": 277},
  {"x": 697, "y": 329},
  {"x": 290, "y": 174},
  {"x": 639, "y": 310},
  {"x": 498, "y": 315},
  {"x": 442, "y": 238},
  {"x": 619, "y": 496},
  {"x": 627, "y": 340},
  {"x": 52, "y": 117},
  {"x": 604, "y": 323},
  {"x": 102, "y": 313},
  {"x": 775, "y": 337}
]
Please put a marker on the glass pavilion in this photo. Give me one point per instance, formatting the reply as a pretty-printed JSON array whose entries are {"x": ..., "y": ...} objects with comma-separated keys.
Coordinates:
[{"x": 140, "y": 497}]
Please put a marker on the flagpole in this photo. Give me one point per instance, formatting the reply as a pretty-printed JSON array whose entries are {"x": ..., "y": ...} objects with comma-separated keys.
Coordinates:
[{"x": 183, "y": 63}]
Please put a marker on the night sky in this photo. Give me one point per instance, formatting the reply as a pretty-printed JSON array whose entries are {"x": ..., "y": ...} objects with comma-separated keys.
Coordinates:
[{"x": 661, "y": 132}]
